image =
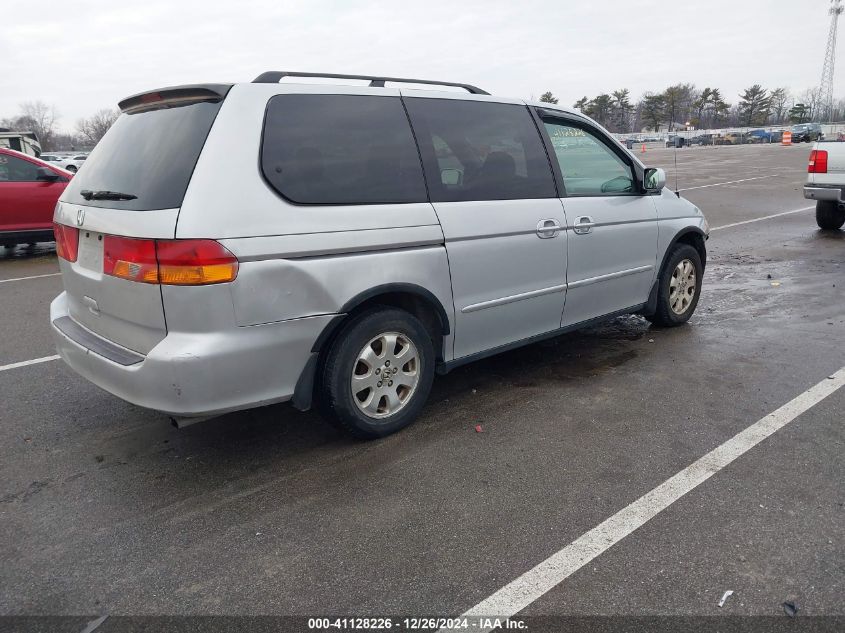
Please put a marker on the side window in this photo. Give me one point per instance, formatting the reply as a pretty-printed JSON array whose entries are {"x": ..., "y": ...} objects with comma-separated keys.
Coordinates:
[
  {"x": 589, "y": 167},
  {"x": 341, "y": 149},
  {"x": 14, "y": 169},
  {"x": 475, "y": 150}
]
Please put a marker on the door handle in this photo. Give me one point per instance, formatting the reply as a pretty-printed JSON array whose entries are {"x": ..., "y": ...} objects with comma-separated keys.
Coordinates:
[
  {"x": 547, "y": 229},
  {"x": 583, "y": 225}
]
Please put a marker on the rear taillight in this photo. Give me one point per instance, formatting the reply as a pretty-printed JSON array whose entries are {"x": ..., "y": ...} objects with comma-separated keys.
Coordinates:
[
  {"x": 171, "y": 262},
  {"x": 67, "y": 241},
  {"x": 195, "y": 262},
  {"x": 818, "y": 162},
  {"x": 131, "y": 259}
]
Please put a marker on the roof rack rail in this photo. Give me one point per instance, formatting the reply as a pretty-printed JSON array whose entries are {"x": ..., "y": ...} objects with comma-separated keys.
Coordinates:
[{"x": 273, "y": 77}]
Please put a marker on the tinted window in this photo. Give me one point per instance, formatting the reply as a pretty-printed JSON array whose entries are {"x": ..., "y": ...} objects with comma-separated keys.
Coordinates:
[
  {"x": 150, "y": 154},
  {"x": 480, "y": 151},
  {"x": 13, "y": 169},
  {"x": 341, "y": 149},
  {"x": 589, "y": 167}
]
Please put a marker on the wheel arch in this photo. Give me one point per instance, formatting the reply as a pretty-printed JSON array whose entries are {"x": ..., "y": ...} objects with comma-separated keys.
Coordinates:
[
  {"x": 691, "y": 235},
  {"x": 419, "y": 301}
]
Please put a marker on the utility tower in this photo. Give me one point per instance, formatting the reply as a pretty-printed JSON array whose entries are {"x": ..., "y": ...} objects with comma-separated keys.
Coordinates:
[{"x": 826, "y": 87}]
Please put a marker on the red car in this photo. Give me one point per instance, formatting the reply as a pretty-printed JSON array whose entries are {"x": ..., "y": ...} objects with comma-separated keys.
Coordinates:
[{"x": 29, "y": 189}]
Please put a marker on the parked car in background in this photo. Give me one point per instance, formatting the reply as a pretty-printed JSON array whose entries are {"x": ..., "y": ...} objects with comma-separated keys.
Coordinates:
[
  {"x": 758, "y": 136},
  {"x": 386, "y": 234},
  {"x": 826, "y": 183},
  {"x": 53, "y": 159},
  {"x": 730, "y": 138},
  {"x": 29, "y": 189},
  {"x": 807, "y": 133},
  {"x": 702, "y": 139},
  {"x": 748, "y": 138},
  {"x": 673, "y": 140},
  {"x": 71, "y": 163}
]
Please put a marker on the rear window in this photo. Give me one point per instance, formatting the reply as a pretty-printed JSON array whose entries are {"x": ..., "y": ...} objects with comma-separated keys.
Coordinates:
[
  {"x": 341, "y": 149},
  {"x": 149, "y": 154}
]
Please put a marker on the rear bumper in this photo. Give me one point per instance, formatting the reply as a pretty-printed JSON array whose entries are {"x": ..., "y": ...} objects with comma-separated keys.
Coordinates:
[
  {"x": 833, "y": 194},
  {"x": 195, "y": 374}
]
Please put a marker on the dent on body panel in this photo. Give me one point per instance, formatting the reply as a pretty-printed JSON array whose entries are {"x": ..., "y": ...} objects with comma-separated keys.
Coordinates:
[
  {"x": 281, "y": 289},
  {"x": 277, "y": 290}
]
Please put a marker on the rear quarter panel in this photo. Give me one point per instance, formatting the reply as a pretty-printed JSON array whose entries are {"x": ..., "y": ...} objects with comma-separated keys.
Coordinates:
[
  {"x": 301, "y": 261},
  {"x": 228, "y": 197}
]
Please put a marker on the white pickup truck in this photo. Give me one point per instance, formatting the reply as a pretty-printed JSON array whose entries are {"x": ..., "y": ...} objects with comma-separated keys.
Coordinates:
[{"x": 826, "y": 183}]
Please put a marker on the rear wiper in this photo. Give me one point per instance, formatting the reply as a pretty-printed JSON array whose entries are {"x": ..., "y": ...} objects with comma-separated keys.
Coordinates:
[{"x": 106, "y": 195}]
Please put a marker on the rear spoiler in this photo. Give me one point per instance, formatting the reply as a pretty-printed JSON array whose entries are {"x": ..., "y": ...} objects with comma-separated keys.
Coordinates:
[{"x": 174, "y": 97}]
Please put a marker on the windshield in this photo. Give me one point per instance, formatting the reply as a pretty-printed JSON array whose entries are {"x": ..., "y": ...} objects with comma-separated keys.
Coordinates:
[{"x": 149, "y": 155}]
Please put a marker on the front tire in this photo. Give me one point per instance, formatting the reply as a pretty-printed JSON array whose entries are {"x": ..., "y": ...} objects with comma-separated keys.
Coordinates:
[
  {"x": 829, "y": 215},
  {"x": 679, "y": 287},
  {"x": 71, "y": 168},
  {"x": 378, "y": 373}
]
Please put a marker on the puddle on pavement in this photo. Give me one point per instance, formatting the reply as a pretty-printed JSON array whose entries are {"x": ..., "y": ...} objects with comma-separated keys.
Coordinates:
[{"x": 580, "y": 354}]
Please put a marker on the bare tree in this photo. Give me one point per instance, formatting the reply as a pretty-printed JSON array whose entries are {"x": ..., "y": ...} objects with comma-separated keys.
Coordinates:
[
  {"x": 779, "y": 97},
  {"x": 95, "y": 127},
  {"x": 810, "y": 98},
  {"x": 699, "y": 105},
  {"x": 41, "y": 119}
]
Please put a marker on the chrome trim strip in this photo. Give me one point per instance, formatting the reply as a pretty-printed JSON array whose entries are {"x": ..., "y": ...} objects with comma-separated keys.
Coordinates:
[
  {"x": 622, "y": 222},
  {"x": 609, "y": 276},
  {"x": 487, "y": 236},
  {"x": 475, "y": 307}
]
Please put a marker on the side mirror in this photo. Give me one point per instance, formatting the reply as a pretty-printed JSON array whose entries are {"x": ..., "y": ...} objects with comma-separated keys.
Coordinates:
[
  {"x": 654, "y": 179},
  {"x": 47, "y": 175}
]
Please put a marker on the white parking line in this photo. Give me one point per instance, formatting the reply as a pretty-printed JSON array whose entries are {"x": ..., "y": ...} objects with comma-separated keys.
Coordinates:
[
  {"x": 3, "y": 281},
  {"x": 730, "y": 182},
  {"x": 24, "y": 363},
  {"x": 518, "y": 594},
  {"x": 765, "y": 217}
]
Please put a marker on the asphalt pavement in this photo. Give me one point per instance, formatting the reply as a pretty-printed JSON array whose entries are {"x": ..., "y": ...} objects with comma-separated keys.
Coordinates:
[{"x": 106, "y": 509}]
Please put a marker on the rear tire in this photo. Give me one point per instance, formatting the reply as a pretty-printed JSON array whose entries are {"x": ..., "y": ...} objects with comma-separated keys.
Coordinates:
[
  {"x": 388, "y": 355},
  {"x": 678, "y": 287},
  {"x": 829, "y": 215}
]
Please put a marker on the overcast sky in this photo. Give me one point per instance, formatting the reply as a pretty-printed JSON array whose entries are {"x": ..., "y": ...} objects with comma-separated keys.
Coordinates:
[{"x": 83, "y": 55}]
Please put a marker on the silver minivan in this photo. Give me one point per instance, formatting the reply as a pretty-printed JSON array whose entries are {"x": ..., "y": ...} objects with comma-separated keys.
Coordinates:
[{"x": 231, "y": 246}]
